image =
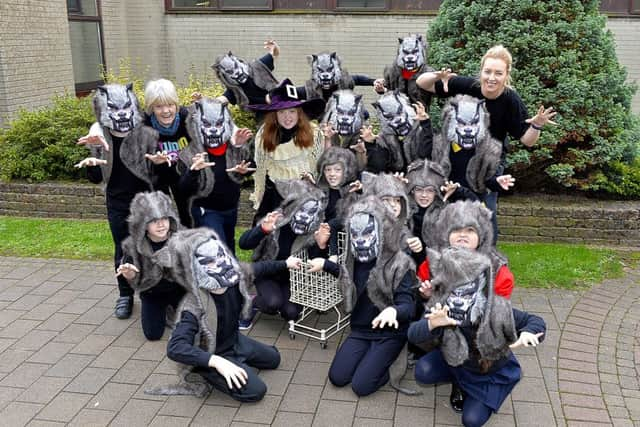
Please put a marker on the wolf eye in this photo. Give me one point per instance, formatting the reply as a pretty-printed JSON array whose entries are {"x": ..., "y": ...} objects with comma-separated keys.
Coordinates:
[
  {"x": 127, "y": 105},
  {"x": 111, "y": 105},
  {"x": 206, "y": 123}
]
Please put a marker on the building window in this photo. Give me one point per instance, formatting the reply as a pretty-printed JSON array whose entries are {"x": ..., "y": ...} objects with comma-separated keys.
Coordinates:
[
  {"x": 361, "y": 4},
  {"x": 85, "y": 34},
  {"x": 220, "y": 4}
]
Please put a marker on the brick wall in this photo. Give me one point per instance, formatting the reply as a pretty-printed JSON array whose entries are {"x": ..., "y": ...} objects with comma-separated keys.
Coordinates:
[
  {"x": 35, "y": 54},
  {"x": 522, "y": 219}
]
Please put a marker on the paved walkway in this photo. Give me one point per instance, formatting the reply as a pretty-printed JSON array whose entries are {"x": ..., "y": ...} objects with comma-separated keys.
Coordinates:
[{"x": 64, "y": 359}]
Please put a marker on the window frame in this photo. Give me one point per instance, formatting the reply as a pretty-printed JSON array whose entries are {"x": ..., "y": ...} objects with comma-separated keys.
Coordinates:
[{"x": 84, "y": 88}]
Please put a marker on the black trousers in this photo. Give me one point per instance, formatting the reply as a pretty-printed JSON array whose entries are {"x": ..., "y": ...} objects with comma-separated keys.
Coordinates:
[
  {"x": 246, "y": 353},
  {"x": 273, "y": 297},
  {"x": 119, "y": 231},
  {"x": 154, "y": 309}
]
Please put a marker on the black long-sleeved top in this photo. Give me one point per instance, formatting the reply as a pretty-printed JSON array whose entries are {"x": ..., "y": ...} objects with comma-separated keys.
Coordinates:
[
  {"x": 182, "y": 347},
  {"x": 419, "y": 333},
  {"x": 123, "y": 185},
  {"x": 365, "y": 311},
  {"x": 255, "y": 94}
]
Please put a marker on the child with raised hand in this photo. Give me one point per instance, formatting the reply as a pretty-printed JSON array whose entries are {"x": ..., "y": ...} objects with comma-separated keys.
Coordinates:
[
  {"x": 473, "y": 327},
  {"x": 151, "y": 223}
]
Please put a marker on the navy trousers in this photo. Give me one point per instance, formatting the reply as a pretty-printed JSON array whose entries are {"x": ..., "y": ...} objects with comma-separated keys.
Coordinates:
[
  {"x": 119, "y": 231},
  {"x": 222, "y": 222},
  {"x": 432, "y": 368},
  {"x": 246, "y": 353},
  {"x": 154, "y": 305},
  {"x": 364, "y": 363}
]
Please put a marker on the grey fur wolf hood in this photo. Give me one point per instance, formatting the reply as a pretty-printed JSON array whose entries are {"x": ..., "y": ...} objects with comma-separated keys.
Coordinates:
[
  {"x": 146, "y": 207},
  {"x": 295, "y": 193}
]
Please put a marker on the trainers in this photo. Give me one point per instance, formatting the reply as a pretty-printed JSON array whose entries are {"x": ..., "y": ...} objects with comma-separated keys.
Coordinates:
[
  {"x": 245, "y": 324},
  {"x": 124, "y": 307}
]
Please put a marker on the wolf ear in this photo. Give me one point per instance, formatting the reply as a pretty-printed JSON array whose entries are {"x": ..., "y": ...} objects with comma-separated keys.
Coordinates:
[
  {"x": 358, "y": 98},
  {"x": 129, "y": 87},
  {"x": 312, "y": 58},
  {"x": 230, "y": 54},
  {"x": 333, "y": 55},
  {"x": 419, "y": 37},
  {"x": 102, "y": 90},
  {"x": 400, "y": 40}
]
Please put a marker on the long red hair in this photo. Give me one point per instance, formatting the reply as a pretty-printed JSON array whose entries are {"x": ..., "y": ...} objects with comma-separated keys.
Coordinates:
[{"x": 271, "y": 131}]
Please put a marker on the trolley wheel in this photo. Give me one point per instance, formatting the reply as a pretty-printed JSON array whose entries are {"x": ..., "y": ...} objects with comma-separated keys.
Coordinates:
[
  {"x": 323, "y": 345},
  {"x": 292, "y": 335}
]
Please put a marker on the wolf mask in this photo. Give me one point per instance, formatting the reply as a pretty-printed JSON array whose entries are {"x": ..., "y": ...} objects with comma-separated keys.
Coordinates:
[
  {"x": 116, "y": 107},
  {"x": 395, "y": 113},
  {"x": 214, "y": 267},
  {"x": 305, "y": 217},
  {"x": 345, "y": 112},
  {"x": 466, "y": 121},
  {"x": 214, "y": 122},
  {"x": 326, "y": 69},
  {"x": 364, "y": 237},
  {"x": 411, "y": 52},
  {"x": 231, "y": 68}
]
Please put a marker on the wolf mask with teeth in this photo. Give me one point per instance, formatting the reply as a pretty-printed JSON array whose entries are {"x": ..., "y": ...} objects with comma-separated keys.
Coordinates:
[
  {"x": 408, "y": 65},
  {"x": 327, "y": 75},
  {"x": 117, "y": 108},
  {"x": 345, "y": 113},
  {"x": 465, "y": 125}
]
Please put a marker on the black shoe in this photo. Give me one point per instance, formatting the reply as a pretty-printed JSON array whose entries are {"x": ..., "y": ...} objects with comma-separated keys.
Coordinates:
[
  {"x": 457, "y": 398},
  {"x": 124, "y": 307}
]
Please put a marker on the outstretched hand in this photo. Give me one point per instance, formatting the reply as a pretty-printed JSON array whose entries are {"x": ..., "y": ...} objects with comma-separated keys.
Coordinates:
[
  {"x": 415, "y": 245},
  {"x": 242, "y": 168},
  {"x": 272, "y": 47},
  {"x": 542, "y": 117},
  {"x": 439, "y": 317},
  {"x": 366, "y": 134},
  {"x": 421, "y": 112},
  {"x": 322, "y": 234},
  {"x": 159, "y": 158},
  {"x": 426, "y": 289},
  {"x": 242, "y": 135},
  {"x": 527, "y": 339},
  {"x": 93, "y": 140},
  {"x": 90, "y": 161},
  {"x": 269, "y": 221},
  {"x": 199, "y": 161},
  {"x": 506, "y": 181},
  {"x": 387, "y": 317},
  {"x": 448, "y": 189},
  {"x": 444, "y": 75},
  {"x": 128, "y": 271}
]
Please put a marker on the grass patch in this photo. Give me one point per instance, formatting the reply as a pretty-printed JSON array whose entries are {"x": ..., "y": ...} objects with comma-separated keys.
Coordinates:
[
  {"x": 533, "y": 264},
  {"x": 545, "y": 265}
]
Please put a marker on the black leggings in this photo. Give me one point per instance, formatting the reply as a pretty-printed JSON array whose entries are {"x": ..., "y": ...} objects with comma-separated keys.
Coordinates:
[{"x": 119, "y": 231}]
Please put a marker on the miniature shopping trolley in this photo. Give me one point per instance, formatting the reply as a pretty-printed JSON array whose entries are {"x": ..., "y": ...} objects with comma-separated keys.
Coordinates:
[{"x": 317, "y": 292}]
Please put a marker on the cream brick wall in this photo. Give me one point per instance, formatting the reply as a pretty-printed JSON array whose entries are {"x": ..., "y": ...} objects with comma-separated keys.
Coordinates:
[
  {"x": 35, "y": 54},
  {"x": 627, "y": 34}
]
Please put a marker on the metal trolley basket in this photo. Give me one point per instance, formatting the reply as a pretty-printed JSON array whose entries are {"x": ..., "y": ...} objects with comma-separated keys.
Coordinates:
[{"x": 318, "y": 291}]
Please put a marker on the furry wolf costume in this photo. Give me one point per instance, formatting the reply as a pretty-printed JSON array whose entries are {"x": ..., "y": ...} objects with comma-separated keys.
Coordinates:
[
  {"x": 391, "y": 266},
  {"x": 425, "y": 173},
  {"x": 463, "y": 280},
  {"x": 233, "y": 71},
  {"x": 181, "y": 256},
  {"x": 145, "y": 208},
  {"x": 327, "y": 74},
  {"x": 400, "y": 131},
  {"x": 346, "y": 158},
  {"x": 465, "y": 125},
  {"x": 210, "y": 125},
  {"x": 410, "y": 62},
  {"x": 117, "y": 109},
  {"x": 296, "y": 194}
]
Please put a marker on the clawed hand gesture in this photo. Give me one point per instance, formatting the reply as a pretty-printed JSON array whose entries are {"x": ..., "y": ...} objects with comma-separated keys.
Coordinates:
[
  {"x": 527, "y": 339},
  {"x": 327, "y": 130},
  {"x": 400, "y": 177},
  {"x": 448, "y": 189},
  {"x": 426, "y": 289},
  {"x": 242, "y": 135},
  {"x": 415, "y": 245},
  {"x": 366, "y": 134},
  {"x": 272, "y": 47},
  {"x": 159, "y": 158},
  {"x": 242, "y": 168},
  {"x": 359, "y": 147},
  {"x": 421, "y": 112},
  {"x": 445, "y": 74},
  {"x": 387, "y": 317},
  {"x": 308, "y": 176},
  {"x": 543, "y": 116},
  {"x": 355, "y": 186},
  {"x": 199, "y": 161},
  {"x": 322, "y": 234},
  {"x": 93, "y": 140},
  {"x": 269, "y": 222},
  {"x": 439, "y": 317},
  {"x": 506, "y": 181},
  {"x": 90, "y": 161},
  {"x": 378, "y": 86},
  {"x": 128, "y": 271}
]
